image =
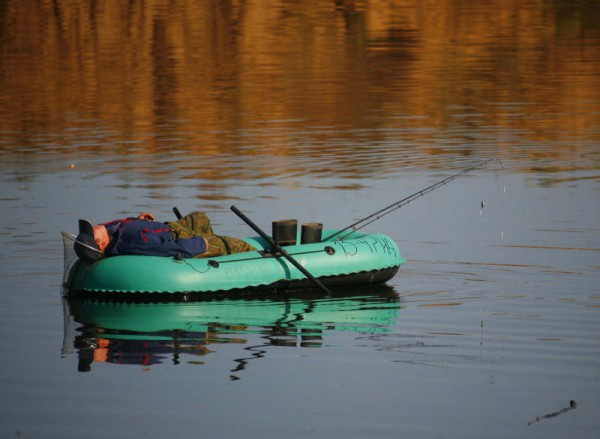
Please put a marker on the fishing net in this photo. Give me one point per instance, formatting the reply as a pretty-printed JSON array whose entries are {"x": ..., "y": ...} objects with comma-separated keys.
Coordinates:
[{"x": 70, "y": 257}]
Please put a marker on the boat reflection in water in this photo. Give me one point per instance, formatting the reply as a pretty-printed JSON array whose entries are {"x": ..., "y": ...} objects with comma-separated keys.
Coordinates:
[{"x": 149, "y": 333}]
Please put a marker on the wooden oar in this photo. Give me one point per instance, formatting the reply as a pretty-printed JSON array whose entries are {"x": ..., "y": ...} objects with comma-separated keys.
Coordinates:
[{"x": 275, "y": 245}]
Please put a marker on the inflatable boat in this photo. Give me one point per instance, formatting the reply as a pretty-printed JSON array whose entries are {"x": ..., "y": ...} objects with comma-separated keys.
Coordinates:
[
  {"x": 353, "y": 257},
  {"x": 362, "y": 258}
]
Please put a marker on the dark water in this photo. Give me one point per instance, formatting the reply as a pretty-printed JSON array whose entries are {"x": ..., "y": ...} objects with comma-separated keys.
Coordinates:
[{"x": 320, "y": 111}]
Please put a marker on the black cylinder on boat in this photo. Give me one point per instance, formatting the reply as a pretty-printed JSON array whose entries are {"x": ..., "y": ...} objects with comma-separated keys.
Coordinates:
[
  {"x": 311, "y": 232},
  {"x": 285, "y": 232}
]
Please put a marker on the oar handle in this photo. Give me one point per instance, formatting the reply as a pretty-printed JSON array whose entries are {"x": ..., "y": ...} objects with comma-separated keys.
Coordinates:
[
  {"x": 257, "y": 229},
  {"x": 279, "y": 249},
  {"x": 177, "y": 213}
]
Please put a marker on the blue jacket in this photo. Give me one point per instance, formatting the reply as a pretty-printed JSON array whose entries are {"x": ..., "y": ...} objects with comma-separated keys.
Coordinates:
[{"x": 152, "y": 238}]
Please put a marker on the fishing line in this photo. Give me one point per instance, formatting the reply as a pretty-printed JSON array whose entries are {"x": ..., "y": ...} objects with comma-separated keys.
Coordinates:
[{"x": 403, "y": 202}]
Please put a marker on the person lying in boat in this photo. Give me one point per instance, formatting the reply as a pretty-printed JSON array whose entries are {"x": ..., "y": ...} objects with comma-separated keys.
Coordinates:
[{"x": 191, "y": 237}]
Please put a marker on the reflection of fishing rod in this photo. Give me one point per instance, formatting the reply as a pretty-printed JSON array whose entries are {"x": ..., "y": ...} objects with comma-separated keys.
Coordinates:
[{"x": 398, "y": 204}]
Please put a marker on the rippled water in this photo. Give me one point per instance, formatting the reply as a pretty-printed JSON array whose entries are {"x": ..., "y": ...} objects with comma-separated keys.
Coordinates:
[{"x": 321, "y": 111}]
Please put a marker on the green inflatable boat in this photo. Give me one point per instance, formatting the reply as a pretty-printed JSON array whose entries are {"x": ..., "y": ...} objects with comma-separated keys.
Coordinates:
[{"x": 361, "y": 258}]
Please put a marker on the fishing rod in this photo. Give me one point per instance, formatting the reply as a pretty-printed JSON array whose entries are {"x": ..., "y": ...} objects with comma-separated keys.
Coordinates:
[{"x": 398, "y": 204}]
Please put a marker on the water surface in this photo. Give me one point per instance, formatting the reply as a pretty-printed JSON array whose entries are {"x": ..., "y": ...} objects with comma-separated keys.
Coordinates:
[{"x": 322, "y": 111}]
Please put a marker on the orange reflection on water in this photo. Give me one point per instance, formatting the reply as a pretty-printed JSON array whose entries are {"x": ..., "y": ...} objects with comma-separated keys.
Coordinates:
[{"x": 309, "y": 79}]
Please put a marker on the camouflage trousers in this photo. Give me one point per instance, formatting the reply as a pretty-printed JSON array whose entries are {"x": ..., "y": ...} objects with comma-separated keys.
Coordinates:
[{"x": 198, "y": 224}]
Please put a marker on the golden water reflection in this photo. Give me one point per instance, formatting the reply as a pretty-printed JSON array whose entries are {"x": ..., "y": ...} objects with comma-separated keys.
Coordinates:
[{"x": 395, "y": 83}]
